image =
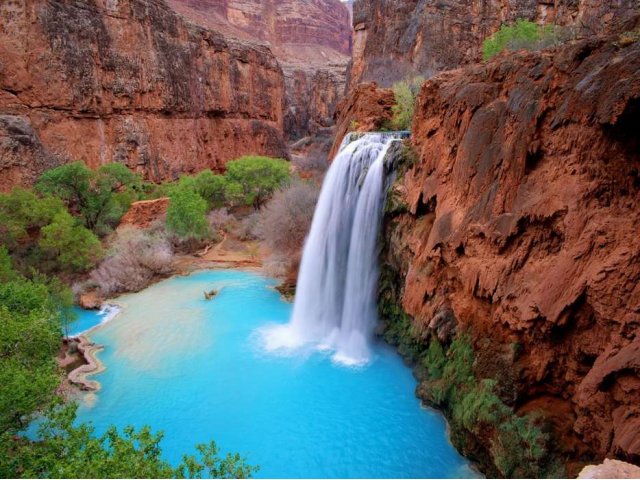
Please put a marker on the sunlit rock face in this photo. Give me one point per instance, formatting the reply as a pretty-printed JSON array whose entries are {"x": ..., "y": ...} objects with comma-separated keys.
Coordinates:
[
  {"x": 130, "y": 81},
  {"x": 521, "y": 219},
  {"x": 311, "y": 39},
  {"x": 394, "y": 39}
]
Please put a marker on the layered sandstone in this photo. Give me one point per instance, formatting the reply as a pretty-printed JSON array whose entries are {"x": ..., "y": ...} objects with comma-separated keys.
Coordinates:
[
  {"x": 311, "y": 39},
  {"x": 397, "y": 39},
  {"x": 129, "y": 81},
  {"x": 518, "y": 224}
]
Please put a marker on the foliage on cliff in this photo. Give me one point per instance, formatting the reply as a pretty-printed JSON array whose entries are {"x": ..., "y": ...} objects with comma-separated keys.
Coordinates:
[
  {"x": 480, "y": 420},
  {"x": 522, "y": 34},
  {"x": 405, "y": 93}
]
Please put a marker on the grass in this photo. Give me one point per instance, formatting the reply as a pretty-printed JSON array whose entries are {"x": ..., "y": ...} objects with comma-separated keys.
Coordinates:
[{"x": 522, "y": 34}]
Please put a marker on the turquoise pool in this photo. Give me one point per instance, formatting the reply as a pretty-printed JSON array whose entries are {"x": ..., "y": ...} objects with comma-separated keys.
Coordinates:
[{"x": 196, "y": 370}]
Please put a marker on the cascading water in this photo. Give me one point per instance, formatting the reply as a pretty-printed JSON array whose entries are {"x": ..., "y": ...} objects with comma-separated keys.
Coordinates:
[{"x": 335, "y": 304}]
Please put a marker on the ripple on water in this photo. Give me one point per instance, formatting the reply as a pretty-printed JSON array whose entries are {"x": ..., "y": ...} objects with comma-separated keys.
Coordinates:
[{"x": 198, "y": 370}]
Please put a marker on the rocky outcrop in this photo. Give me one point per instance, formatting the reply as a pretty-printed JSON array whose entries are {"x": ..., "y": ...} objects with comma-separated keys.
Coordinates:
[
  {"x": 610, "y": 469},
  {"x": 367, "y": 108},
  {"x": 144, "y": 213},
  {"x": 398, "y": 39},
  {"x": 310, "y": 38},
  {"x": 129, "y": 81},
  {"x": 516, "y": 223}
]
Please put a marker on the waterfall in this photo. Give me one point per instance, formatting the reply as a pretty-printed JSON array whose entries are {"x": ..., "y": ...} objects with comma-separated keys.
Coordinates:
[{"x": 336, "y": 305}]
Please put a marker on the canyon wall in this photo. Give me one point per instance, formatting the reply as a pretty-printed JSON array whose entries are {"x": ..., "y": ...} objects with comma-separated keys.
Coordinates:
[
  {"x": 311, "y": 39},
  {"x": 396, "y": 39},
  {"x": 515, "y": 222},
  {"x": 129, "y": 81}
]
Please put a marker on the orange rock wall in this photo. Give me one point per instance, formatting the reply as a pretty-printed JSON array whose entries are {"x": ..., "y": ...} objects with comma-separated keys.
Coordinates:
[
  {"x": 397, "y": 39},
  {"x": 523, "y": 220},
  {"x": 129, "y": 81}
]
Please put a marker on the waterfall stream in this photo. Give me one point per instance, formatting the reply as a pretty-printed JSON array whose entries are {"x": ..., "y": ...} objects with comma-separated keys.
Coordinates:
[{"x": 335, "y": 305}]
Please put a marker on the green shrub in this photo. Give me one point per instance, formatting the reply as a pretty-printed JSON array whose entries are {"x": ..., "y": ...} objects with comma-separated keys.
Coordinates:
[
  {"x": 211, "y": 187},
  {"x": 520, "y": 448},
  {"x": 253, "y": 179},
  {"x": 74, "y": 248},
  {"x": 186, "y": 215},
  {"x": 22, "y": 213},
  {"x": 399, "y": 330},
  {"x": 522, "y": 34},
  {"x": 97, "y": 195},
  {"x": 405, "y": 93},
  {"x": 434, "y": 360}
]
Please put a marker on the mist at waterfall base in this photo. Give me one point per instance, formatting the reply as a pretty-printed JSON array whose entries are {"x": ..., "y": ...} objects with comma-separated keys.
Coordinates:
[
  {"x": 196, "y": 369},
  {"x": 335, "y": 306}
]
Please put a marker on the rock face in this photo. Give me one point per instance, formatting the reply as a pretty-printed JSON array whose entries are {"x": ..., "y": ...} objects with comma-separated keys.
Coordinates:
[
  {"x": 366, "y": 109},
  {"x": 397, "y": 39},
  {"x": 520, "y": 222},
  {"x": 310, "y": 38},
  {"x": 144, "y": 213},
  {"x": 129, "y": 81}
]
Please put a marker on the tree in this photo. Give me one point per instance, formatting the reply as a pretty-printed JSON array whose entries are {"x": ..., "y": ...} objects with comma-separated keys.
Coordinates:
[
  {"x": 101, "y": 197},
  {"x": 186, "y": 215},
  {"x": 211, "y": 187},
  {"x": 258, "y": 177},
  {"x": 68, "y": 451},
  {"x": 75, "y": 248},
  {"x": 21, "y": 213}
]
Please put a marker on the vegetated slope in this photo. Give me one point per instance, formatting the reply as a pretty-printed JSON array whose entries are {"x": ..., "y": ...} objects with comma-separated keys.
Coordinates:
[
  {"x": 311, "y": 39},
  {"x": 131, "y": 82},
  {"x": 516, "y": 224},
  {"x": 394, "y": 39}
]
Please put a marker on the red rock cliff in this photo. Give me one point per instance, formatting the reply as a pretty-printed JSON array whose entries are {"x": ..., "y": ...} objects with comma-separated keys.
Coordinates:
[
  {"x": 129, "y": 81},
  {"x": 394, "y": 39},
  {"x": 310, "y": 38},
  {"x": 522, "y": 223}
]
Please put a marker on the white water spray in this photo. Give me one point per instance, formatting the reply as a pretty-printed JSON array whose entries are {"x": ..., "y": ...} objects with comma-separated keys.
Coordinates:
[{"x": 335, "y": 304}]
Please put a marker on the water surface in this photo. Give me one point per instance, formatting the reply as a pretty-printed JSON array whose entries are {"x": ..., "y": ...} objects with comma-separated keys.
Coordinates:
[{"x": 196, "y": 369}]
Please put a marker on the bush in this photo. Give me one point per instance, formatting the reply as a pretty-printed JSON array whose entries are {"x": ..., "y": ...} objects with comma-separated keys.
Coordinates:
[
  {"x": 186, "y": 215},
  {"x": 135, "y": 257},
  {"x": 405, "y": 93},
  {"x": 247, "y": 228},
  {"x": 522, "y": 34},
  {"x": 74, "y": 248},
  {"x": 21, "y": 213},
  {"x": 285, "y": 220},
  {"x": 255, "y": 178},
  {"x": 101, "y": 197},
  {"x": 209, "y": 186},
  {"x": 220, "y": 220}
]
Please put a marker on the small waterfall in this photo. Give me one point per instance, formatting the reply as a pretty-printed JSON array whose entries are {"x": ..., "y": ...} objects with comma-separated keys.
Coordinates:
[{"x": 335, "y": 305}]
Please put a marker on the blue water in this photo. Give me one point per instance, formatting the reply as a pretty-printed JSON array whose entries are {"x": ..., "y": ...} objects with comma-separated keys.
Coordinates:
[{"x": 196, "y": 370}]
